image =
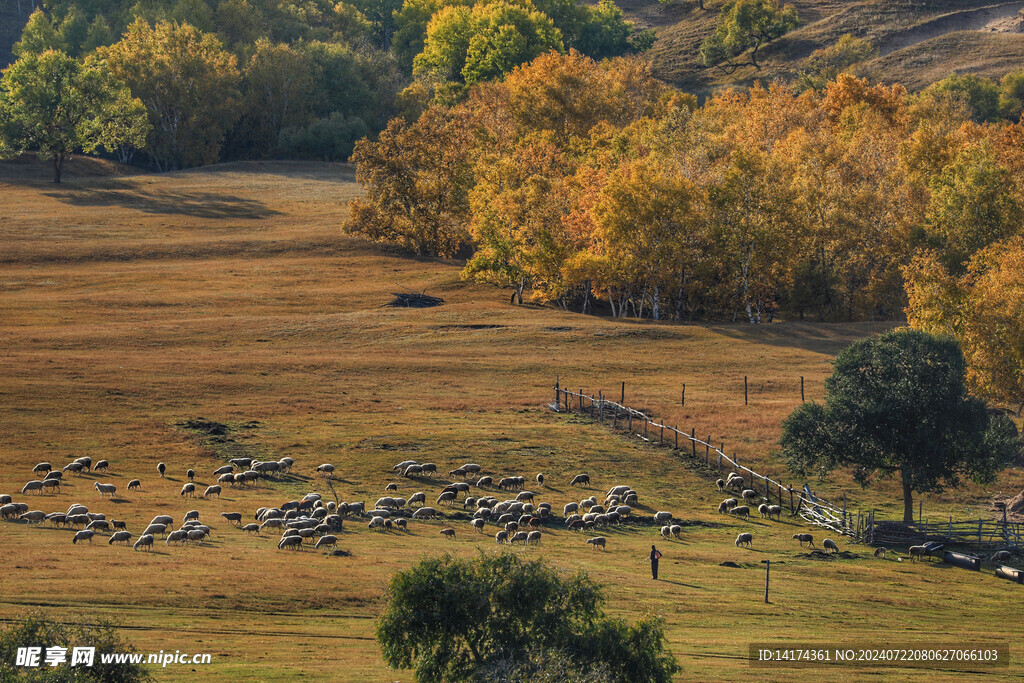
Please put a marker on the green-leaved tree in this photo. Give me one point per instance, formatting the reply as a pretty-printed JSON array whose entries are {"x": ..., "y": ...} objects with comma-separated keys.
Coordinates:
[
  {"x": 898, "y": 405},
  {"x": 500, "y": 617},
  {"x": 58, "y": 106},
  {"x": 746, "y": 25}
]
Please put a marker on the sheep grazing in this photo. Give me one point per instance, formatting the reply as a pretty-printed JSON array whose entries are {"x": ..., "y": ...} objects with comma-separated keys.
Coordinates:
[
  {"x": 221, "y": 471},
  {"x": 73, "y": 468},
  {"x": 119, "y": 537},
  {"x": 533, "y": 537},
  {"x": 1001, "y": 556},
  {"x": 162, "y": 519},
  {"x": 880, "y": 552},
  {"x": 804, "y": 538},
  {"x": 101, "y": 466},
  {"x": 675, "y": 530},
  {"x": 83, "y": 536},
  {"x": 745, "y": 539},
  {"x": 662, "y": 517},
  {"x": 774, "y": 512},
  {"x": 197, "y": 535},
  {"x": 540, "y": 479},
  {"x": 51, "y": 484},
  {"x": 155, "y": 529},
  {"x": 211, "y": 490},
  {"x": 484, "y": 481},
  {"x": 57, "y": 518},
  {"x": 326, "y": 542},
  {"x": 763, "y": 509},
  {"x": 391, "y": 487},
  {"x": 917, "y": 551},
  {"x": 598, "y": 542},
  {"x": 188, "y": 489},
  {"x": 740, "y": 511},
  {"x": 501, "y": 537},
  {"x": 34, "y": 485},
  {"x": 191, "y": 515},
  {"x": 242, "y": 463},
  {"x": 723, "y": 506},
  {"x": 525, "y": 496},
  {"x": 418, "y": 497},
  {"x": 37, "y": 516},
  {"x": 290, "y": 542},
  {"x": 424, "y": 513},
  {"x": 98, "y": 524},
  {"x": 191, "y": 474},
  {"x": 179, "y": 537},
  {"x": 41, "y": 467},
  {"x": 519, "y": 537},
  {"x": 233, "y": 517},
  {"x": 402, "y": 465},
  {"x": 116, "y": 524},
  {"x": 5, "y": 499},
  {"x": 570, "y": 508},
  {"x": 402, "y": 524},
  {"x": 376, "y": 522},
  {"x": 161, "y": 468},
  {"x": 252, "y": 528},
  {"x": 412, "y": 469},
  {"x": 448, "y": 533},
  {"x": 108, "y": 489},
  {"x": 135, "y": 485},
  {"x": 666, "y": 532},
  {"x": 580, "y": 480},
  {"x": 749, "y": 494},
  {"x": 447, "y": 497},
  {"x": 720, "y": 484},
  {"x": 478, "y": 524},
  {"x": 830, "y": 546}
]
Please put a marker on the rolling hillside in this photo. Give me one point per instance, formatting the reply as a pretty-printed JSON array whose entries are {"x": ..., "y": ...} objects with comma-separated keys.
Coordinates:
[{"x": 131, "y": 304}]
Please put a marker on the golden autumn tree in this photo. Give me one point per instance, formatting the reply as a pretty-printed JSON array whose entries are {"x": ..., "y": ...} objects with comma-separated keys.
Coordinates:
[
  {"x": 983, "y": 310},
  {"x": 418, "y": 177}
]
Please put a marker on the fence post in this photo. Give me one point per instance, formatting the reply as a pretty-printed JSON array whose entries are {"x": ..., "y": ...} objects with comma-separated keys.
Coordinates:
[
  {"x": 791, "y": 509},
  {"x": 745, "y": 390},
  {"x": 676, "y": 430},
  {"x": 801, "y": 388},
  {"x": 684, "y": 394},
  {"x": 645, "y": 428},
  {"x": 623, "y": 400},
  {"x": 707, "y": 452},
  {"x": 558, "y": 395},
  {"x": 767, "y": 571}
]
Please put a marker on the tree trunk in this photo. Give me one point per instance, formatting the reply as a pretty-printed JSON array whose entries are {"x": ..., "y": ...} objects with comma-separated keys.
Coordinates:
[
  {"x": 58, "y": 167},
  {"x": 655, "y": 309},
  {"x": 908, "y": 500}
]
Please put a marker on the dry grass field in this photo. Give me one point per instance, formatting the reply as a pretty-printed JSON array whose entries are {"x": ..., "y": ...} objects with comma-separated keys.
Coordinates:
[{"x": 130, "y": 303}]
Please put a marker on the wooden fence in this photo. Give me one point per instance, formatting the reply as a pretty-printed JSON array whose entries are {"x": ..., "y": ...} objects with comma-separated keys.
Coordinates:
[
  {"x": 799, "y": 501},
  {"x": 981, "y": 534}
]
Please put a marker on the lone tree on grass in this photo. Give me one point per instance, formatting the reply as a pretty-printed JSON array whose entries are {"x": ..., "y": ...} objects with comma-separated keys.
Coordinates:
[
  {"x": 57, "y": 105},
  {"x": 503, "y": 618},
  {"x": 746, "y": 25},
  {"x": 898, "y": 405}
]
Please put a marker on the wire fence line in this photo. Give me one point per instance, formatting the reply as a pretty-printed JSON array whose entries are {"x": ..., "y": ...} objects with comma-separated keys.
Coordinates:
[{"x": 800, "y": 501}]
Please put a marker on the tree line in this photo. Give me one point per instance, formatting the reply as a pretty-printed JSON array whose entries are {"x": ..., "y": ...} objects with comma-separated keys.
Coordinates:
[
  {"x": 594, "y": 186},
  {"x": 248, "y": 79}
]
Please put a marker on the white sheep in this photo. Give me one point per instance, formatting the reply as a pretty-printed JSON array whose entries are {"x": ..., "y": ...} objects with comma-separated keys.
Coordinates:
[
  {"x": 108, "y": 489},
  {"x": 1001, "y": 556},
  {"x": 580, "y": 479},
  {"x": 917, "y": 551},
  {"x": 83, "y": 536},
  {"x": 666, "y": 532},
  {"x": 135, "y": 485},
  {"x": 447, "y": 497},
  {"x": 211, "y": 490},
  {"x": 179, "y": 536},
  {"x": 197, "y": 535},
  {"x": 326, "y": 541},
  {"x": 191, "y": 515},
  {"x": 161, "y": 468},
  {"x": 376, "y": 523},
  {"x": 598, "y": 542},
  {"x": 829, "y": 545},
  {"x": 662, "y": 517},
  {"x": 774, "y": 512},
  {"x": 519, "y": 536},
  {"x": 155, "y": 529},
  {"x": 745, "y": 539},
  {"x": 478, "y": 524},
  {"x": 424, "y": 513},
  {"x": 144, "y": 541},
  {"x": 37, "y": 516},
  {"x": 749, "y": 495},
  {"x": 533, "y": 537},
  {"x": 290, "y": 542},
  {"x": 763, "y": 509},
  {"x": 188, "y": 489},
  {"x": 804, "y": 538},
  {"x": 740, "y": 511},
  {"x": 675, "y": 530},
  {"x": 119, "y": 537},
  {"x": 34, "y": 485},
  {"x": 501, "y": 537}
]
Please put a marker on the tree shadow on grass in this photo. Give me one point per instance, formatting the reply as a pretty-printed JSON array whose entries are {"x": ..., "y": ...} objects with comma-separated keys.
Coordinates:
[{"x": 130, "y": 195}]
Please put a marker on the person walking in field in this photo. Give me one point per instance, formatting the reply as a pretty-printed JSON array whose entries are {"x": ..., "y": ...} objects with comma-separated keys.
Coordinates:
[{"x": 655, "y": 556}]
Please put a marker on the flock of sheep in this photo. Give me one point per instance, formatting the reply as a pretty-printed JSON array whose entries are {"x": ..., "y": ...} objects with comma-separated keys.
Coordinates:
[{"x": 518, "y": 517}]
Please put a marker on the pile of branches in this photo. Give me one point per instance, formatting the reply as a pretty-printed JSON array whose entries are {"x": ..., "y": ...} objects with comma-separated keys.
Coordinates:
[{"x": 414, "y": 300}]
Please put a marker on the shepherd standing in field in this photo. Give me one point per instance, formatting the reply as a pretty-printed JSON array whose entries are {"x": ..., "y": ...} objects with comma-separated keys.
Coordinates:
[{"x": 655, "y": 556}]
